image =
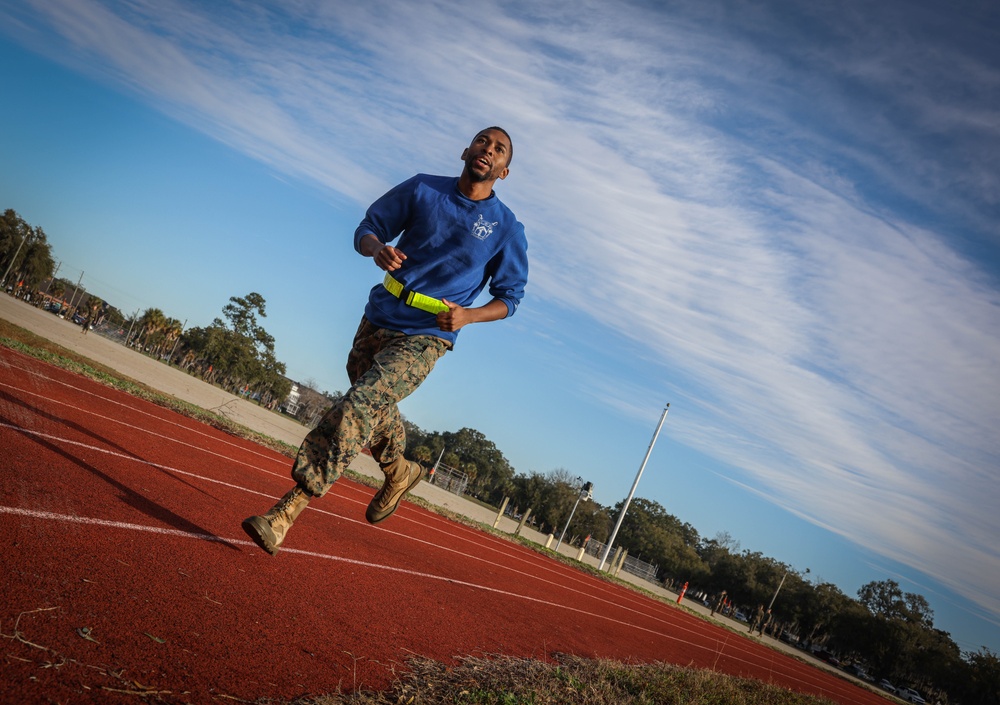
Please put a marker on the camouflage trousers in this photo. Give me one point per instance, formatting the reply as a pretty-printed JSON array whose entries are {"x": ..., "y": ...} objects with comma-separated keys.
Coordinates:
[{"x": 384, "y": 367}]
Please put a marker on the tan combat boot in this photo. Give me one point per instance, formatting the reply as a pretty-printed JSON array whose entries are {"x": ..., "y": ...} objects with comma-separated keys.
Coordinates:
[
  {"x": 269, "y": 531},
  {"x": 401, "y": 476}
]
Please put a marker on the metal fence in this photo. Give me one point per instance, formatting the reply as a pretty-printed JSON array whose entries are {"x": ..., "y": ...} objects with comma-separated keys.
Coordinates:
[
  {"x": 646, "y": 571},
  {"x": 635, "y": 566},
  {"x": 449, "y": 478}
]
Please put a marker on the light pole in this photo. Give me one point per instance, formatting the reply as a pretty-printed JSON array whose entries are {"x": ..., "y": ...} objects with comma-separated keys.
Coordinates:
[
  {"x": 585, "y": 493},
  {"x": 431, "y": 474},
  {"x": 628, "y": 500},
  {"x": 775, "y": 596}
]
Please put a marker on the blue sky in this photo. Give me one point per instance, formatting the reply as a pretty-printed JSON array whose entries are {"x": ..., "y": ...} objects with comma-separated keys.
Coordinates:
[{"x": 783, "y": 220}]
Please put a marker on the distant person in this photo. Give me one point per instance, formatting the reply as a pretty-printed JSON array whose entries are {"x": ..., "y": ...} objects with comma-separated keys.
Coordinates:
[
  {"x": 758, "y": 617},
  {"x": 719, "y": 603},
  {"x": 455, "y": 239},
  {"x": 764, "y": 623}
]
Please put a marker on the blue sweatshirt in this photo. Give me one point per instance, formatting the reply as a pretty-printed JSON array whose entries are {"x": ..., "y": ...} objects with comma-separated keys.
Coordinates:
[{"x": 454, "y": 247}]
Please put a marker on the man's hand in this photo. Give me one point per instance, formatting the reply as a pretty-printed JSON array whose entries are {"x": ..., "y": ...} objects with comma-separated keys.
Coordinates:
[
  {"x": 386, "y": 257},
  {"x": 456, "y": 317},
  {"x": 389, "y": 258}
]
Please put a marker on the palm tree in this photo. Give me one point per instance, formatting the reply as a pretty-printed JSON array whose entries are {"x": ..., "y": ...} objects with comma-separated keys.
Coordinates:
[
  {"x": 153, "y": 321},
  {"x": 171, "y": 330},
  {"x": 188, "y": 360},
  {"x": 422, "y": 454}
]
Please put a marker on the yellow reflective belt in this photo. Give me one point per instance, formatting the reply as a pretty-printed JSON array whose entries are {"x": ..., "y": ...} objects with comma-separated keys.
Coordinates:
[{"x": 412, "y": 298}]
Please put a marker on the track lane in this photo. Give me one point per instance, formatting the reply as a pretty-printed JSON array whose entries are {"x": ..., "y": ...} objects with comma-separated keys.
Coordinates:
[{"x": 125, "y": 517}]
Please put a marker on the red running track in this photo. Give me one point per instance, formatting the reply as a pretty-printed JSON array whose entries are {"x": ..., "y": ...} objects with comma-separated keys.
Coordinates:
[{"x": 123, "y": 518}]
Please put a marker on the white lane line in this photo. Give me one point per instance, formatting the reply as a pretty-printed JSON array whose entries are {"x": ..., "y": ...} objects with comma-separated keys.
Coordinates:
[
  {"x": 90, "y": 521},
  {"x": 123, "y": 456},
  {"x": 148, "y": 432},
  {"x": 554, "y": 583},
  {"x": 178, "y": 471},
  {"x": 198, "y": 448},
  {"x": 128, "y": 407},
  {"x": 127, "y": 526},
  {"x": 210, "y": 437},
  {"x": 209, "y": 537},
  {"x": 547, "y": 581},
  {"x": 167, "y": 468},
  {"x": 515, "y": 553},
  {"x": 494, "y": 564},
  {"x": 432, "y": 544}
]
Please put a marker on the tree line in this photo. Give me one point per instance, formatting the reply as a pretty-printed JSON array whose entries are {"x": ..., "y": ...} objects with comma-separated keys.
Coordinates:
[
  {"x": 25, "y": 252},
  {"x": 234, "y": 352},
  {"x": 28, "y": 271},
  {"x": 237, "y": 352},
  {"x": 883, "y": 630}
]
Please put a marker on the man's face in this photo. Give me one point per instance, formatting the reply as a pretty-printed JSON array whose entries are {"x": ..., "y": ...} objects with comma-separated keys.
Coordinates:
[{"x": 486, "y": 158}]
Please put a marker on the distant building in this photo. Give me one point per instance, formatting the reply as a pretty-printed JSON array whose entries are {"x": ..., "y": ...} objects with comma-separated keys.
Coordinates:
[{"x": 291, "y": 404}]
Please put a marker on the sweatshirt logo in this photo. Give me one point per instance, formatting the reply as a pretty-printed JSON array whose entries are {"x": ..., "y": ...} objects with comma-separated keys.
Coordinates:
[{"x": 482, "y": 229}]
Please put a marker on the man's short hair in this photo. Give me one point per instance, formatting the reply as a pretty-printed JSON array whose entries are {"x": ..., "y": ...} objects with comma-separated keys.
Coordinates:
[{"x": 510, "y": 154}]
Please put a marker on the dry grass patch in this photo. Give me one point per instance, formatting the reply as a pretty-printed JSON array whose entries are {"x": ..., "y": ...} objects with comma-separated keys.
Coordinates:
[{"x": 568, "y": 681}]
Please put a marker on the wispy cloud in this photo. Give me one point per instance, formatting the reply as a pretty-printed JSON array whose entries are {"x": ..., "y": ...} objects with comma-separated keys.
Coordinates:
[{"x": 756, "y": 200}]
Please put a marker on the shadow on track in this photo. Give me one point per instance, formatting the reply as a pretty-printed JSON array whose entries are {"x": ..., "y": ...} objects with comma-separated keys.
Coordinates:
[{"x": 129, "y": 496}]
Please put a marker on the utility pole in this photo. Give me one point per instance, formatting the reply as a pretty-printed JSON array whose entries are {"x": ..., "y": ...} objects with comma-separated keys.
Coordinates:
[
  {"x": 13, "y": 259},
  {"x": 135, "y": 317},
  {"x": 628, "y": 500},
  {"x": 585, "y": 493},
  {"x": 72, "y": 302},
  {"x": 52, "y": 278},
  {"x": 177, "y": 341}
]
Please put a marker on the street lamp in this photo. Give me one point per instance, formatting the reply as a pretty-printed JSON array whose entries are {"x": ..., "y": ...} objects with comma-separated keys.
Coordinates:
[
  {"x": 586, "y": 492},
  {"x": 775, "y": 596},
  {"x": 628, "y": 500}
]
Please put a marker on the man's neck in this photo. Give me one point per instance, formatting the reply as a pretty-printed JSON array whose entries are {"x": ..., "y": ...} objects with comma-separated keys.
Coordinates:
[{"x": 475, "y": 190}]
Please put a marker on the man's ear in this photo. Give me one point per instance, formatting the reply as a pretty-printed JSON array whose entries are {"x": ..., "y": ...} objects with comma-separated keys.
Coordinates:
[
  {"x": 503, "y": 174},
  {"x": 465, "y": 153}
]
